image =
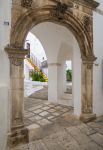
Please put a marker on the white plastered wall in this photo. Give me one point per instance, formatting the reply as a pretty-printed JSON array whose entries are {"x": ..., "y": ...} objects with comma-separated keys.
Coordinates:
[
  {"x": 5, "y": 11},
  {"x": 98, "y": 65}
]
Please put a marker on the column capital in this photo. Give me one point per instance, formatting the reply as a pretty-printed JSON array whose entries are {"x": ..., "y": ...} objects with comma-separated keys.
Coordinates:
[
  {"x": 89, "y": 59},
  {"x": 16, "y": 55}
]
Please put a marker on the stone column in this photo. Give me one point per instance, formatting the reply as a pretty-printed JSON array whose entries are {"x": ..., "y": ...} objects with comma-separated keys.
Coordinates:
[
  {"x": 87, "y": 91},
  {"x": 18, "y": 132}
]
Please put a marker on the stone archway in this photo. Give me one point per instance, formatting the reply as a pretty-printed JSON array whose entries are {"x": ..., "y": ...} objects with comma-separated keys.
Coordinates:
[{"x": 82, "y": 29}]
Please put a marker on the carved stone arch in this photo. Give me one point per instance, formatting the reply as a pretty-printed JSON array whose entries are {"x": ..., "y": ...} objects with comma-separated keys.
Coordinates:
[
  {"x": 39, "y": 15},
  {"x": 16, "y": 52}
]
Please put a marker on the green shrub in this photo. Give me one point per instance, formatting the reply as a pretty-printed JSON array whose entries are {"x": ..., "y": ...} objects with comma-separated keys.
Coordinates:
[
  {"x": 69, "y": 75},
  {"x": 36, "y": 76}
]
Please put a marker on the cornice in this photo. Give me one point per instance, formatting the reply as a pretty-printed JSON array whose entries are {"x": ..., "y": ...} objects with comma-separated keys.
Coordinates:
[{"x": 90, "y": 3}]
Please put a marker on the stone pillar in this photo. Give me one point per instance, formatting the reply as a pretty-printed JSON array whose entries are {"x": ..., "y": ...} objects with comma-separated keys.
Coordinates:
[
  {"x": 87, "y": 91},
  {"x": 18, "y": 132}
]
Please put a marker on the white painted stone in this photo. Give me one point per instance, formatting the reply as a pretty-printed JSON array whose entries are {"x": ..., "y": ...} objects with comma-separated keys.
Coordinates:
[{"x": 33, "y": 129}]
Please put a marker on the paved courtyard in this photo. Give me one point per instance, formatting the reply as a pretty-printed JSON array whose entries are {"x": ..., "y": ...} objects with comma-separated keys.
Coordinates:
[
  {"x": 57, "y": 129},
  {"x": 53, "y": 127}
]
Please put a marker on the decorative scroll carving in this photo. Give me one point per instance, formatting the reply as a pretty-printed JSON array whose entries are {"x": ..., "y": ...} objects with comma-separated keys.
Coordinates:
[
  {"x": 16, "y": 56},
  {"x": 26, "y": 3}
]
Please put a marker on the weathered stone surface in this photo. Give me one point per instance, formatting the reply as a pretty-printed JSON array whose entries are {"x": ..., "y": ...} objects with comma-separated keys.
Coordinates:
[
  {"x": 80, "y": 137},
  {"x": 86, "y": 130}
]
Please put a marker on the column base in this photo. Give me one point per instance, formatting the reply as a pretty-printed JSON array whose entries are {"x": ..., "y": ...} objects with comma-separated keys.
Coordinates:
[
  {"x": 87, "y": 117},
  {"x": 18, "y": 136}
]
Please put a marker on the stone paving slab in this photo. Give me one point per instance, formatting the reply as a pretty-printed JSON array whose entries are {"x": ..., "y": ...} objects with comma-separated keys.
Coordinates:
[
  {"x": 86, "y": 130},
  {"x": 97, "y": 138},
  {"x": 90, "y": 146},
  {"x": 80, "y": 137}
]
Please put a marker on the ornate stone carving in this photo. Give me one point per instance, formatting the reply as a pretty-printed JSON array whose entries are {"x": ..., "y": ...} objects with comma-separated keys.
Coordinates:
[
  {"x": 26, "y": 3},
  {"x": 87, "y": 23},
  {"x": 16, "y": 56},
  {"x": 60, "y": 10},
  {"x": 76, "y": 6}
]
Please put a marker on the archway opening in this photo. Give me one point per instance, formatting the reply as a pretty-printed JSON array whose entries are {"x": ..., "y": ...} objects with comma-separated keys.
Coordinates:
[{"x": 58, "y": 43}]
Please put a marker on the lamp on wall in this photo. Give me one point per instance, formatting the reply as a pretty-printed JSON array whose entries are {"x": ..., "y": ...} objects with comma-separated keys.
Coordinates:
[{"x": 6, "y": 23}]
